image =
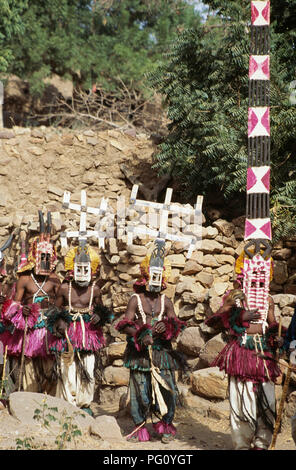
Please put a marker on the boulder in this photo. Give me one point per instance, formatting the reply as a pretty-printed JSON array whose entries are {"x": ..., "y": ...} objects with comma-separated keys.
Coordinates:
[
  {"x": 187, "y": 284},
  {"x": 186, "y": 312},
  {"x": 226, "y": 228},
  {"x": 194, "y": 297},
  {"x": 107, "y": 428},
  {"x": 215, "y": 303},
  {"x": 191, "y": 267},
  {"x": 218, "y": 289},
  {"x": 55, "y": 190},
  {"x": 116, "y": 350},
  {"x": 117, "y": 376},
  {"x": 23, "y": 406},
  {"x": 209, "y": 383},
  {"x": 137, "y": 250},
  {"x": 211, "y": 349},
  {"x": 211, "y": 232},
  {"x": 190, "y": 341},
  {"x": 197, "y": 256},
  {"x": 282, "y": 254},
  {"x": 211, "y": 246},
  {"x": 284, "y": 300},
  {"x": 176, "y": 261},
  {"x": 199, "y": 312},
  {"x": 223, "y": 259},
  {"x": 209, "y": 261},
  {"x": 280, "y": 272},
  {"x": 206, "y": 279}
]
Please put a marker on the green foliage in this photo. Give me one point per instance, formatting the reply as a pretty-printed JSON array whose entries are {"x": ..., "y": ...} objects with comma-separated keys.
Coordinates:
[
  {"x": 69, "y": 431},
  {"x": 10, "y": 25},
  {"x": 25, "y": 444},
  {"x": 46, "y": 415},
  {"x": 204, "y": 81},
  {"x": 96, "y": 41}
]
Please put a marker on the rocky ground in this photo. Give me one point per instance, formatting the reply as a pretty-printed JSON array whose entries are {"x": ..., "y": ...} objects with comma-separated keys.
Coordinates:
[{"x": 200, "y": 427}]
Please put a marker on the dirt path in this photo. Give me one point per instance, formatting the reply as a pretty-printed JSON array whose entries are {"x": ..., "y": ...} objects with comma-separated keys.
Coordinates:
[{"x": 194, "y": 432}]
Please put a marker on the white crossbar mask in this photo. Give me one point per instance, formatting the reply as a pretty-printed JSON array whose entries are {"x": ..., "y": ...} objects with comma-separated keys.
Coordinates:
[
  {"x": 155, "y": 278},
  {"x": 82, "y": 266},
  {"x": 156, "y": 266},
  {"x": 82, "y": 273}
]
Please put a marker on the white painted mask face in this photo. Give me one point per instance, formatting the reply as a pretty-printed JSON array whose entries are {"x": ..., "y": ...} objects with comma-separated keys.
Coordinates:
[
  {"x": 155, "y": 278},
  {"x": 82, "y": 273}
]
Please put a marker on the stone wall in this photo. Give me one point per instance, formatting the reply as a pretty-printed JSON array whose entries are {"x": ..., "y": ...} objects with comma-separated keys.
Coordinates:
[{"x": 37, "y": 165}]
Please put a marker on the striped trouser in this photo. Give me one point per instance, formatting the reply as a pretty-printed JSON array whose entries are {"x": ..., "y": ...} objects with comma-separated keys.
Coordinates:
[{"x": 141, "y": 395}]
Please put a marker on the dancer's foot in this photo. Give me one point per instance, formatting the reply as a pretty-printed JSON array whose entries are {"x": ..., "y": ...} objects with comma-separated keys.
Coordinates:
[{"x": 166, "y": 438}]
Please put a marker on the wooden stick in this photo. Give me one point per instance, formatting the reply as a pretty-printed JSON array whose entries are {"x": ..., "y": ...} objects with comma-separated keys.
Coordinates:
[
  {"x": 23, "y": 356},
  {"x": 281, "y": 407},
  {"x": 280, "y": 327},
  {"x": 135, "y": 430},
  {"x": 279, "y": 335},
  {"x": 3, "y": 372}
]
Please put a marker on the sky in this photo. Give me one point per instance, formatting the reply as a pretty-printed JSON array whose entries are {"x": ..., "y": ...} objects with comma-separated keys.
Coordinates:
[{"x": 200, "y": 7}]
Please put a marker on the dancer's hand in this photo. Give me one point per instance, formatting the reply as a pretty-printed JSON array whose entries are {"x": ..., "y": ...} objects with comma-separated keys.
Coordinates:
[
  {"x": 26, "y": 310},
  {"x": 147, "y": 340},
  {"x": 158, "y": 328},
  {"x": 59, "y": 328},
  {"x": 95, "y": 319},
  {"x": 251, "y": 315},
  {"x": 280, "y": 341},
  {"x": 229, "y": 302}
]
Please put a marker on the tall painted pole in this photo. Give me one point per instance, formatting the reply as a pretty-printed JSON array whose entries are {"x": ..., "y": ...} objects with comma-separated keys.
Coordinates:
[{"x": 257, "y": 259}]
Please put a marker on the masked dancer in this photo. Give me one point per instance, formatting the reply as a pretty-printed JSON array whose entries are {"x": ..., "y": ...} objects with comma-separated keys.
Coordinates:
[
  {"x": 76, "y": 323},
  {"x": 151, "y": 324},
  {"x": 36, "y": 288}
]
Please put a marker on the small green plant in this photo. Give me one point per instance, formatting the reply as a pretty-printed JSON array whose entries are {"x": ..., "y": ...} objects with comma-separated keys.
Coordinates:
[
  {"x": 69, "y": 430},
  {"x": 46, "y": 415},
  {"x": 3, "y": 386},
  {"x": 6, "y": 382},
  {"x": 26, "y": 444}
]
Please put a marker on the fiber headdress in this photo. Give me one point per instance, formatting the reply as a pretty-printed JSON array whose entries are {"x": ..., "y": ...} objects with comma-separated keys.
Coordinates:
[
  {"x": 72, "y": 255},
  {"x": 42, "y": 254}
]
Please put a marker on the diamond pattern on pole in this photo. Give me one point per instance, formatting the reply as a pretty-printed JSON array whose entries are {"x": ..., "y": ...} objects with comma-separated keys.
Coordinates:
[
  {"x": 258, "y": 122},
  {"x": 260, "y": 13},
  {"x": 259, "y": 67},
  {"x": 258, "y": 228},
  {"x": 258, "y": 179}
]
